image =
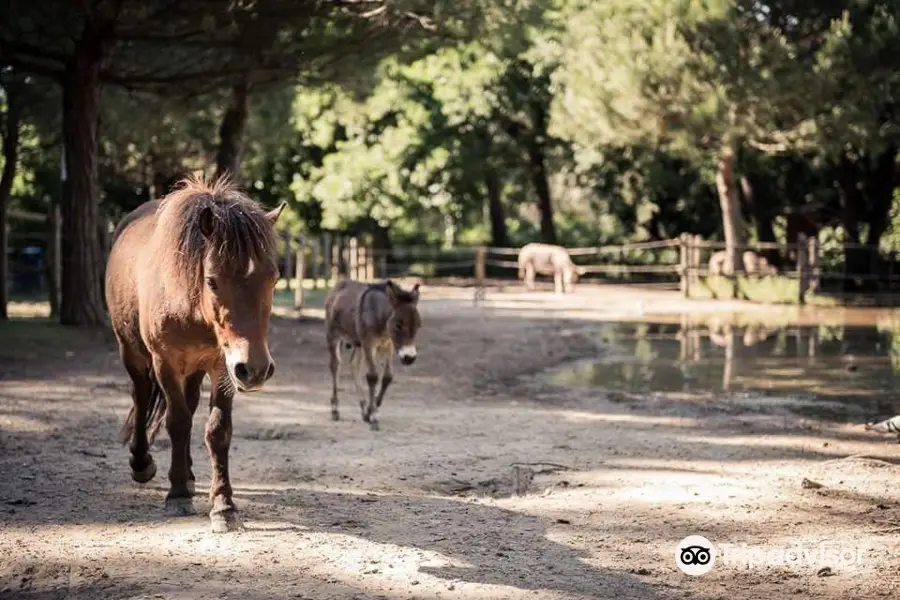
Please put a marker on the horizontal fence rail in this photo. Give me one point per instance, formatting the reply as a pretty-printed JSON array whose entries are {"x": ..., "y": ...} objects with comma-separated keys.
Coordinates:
[{"x": 688, "y": 261}]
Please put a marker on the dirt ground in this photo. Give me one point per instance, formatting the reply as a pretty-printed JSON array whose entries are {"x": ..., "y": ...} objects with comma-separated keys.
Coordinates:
[{"x": 484, "y": 482}]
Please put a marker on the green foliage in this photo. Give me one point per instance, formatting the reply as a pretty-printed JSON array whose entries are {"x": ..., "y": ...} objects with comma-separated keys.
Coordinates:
[
  {"x": 624, "y": 103},
  {"x": 765, "y": 290}
]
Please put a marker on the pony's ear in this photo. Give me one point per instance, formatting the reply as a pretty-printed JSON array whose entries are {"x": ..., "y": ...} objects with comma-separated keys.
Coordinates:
[
  {"x": 206, "y": 222},
  {"x": 415, "y": 293},
  {"x": 273, "y": 214}
]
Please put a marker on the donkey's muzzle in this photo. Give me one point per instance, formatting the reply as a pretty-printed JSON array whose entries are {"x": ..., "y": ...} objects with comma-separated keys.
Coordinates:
[
  {"x": 407, "y": 354},
  {"x": 251, "y": 378}
]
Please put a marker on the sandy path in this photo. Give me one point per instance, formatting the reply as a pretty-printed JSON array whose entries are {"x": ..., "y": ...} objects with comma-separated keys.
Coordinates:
[{"x": 428, "y": 507}]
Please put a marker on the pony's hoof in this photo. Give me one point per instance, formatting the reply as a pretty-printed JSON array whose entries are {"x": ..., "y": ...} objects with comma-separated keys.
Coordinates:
[
  {"x": 145, "y": 474},
  {"x": 192, "y": 487},
  {"x": 225, "y": 522},
  {"x": 335, "y": 415},
  {"x": 365, "y": 417},
  {"x": 180, "y": 507},
  {"x": 373, "y": 425}
]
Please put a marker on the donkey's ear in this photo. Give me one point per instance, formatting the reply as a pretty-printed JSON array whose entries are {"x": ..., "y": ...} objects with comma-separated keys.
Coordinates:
[
  {"x": 391, "y": 291},
  {"x": 206, "y": 222},
  {"x": 415, "y": 293},
  {"x": 273, "y": 214}
]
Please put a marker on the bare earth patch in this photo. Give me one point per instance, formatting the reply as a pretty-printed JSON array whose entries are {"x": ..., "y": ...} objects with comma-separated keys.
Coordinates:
[{"x": 484, "y": 482}]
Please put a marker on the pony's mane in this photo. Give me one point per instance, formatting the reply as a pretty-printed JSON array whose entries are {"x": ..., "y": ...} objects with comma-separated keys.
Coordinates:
[{"x": 240, "y": 229}]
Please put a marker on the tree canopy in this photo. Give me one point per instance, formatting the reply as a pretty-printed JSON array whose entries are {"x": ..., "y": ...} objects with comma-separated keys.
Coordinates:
[{"x": 468, "y": 123}]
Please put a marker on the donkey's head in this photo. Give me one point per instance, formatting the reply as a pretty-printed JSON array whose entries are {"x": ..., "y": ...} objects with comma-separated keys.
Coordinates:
[{"x": 404, "y": 321}]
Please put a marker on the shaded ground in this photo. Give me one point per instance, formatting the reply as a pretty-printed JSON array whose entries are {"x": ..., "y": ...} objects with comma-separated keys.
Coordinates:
[{"x": 485, "y": 481}]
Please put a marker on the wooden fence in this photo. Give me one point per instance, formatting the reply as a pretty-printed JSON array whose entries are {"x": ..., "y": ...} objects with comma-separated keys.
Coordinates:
[
  {"x": 328, "y": 258},
  {"x": 681, "y": 263},
  {"x": 802, "y": 254}
]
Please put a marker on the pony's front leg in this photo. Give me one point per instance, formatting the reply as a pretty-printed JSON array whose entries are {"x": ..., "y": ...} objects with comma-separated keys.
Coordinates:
[
  {"x": 178, "y": 425},
  {"x": 192, "y": 397},
  {"x": 223, "y": 515}
]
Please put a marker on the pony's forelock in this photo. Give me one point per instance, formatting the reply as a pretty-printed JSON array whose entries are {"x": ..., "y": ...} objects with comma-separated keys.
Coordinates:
[{"x": 241, "y": 231}]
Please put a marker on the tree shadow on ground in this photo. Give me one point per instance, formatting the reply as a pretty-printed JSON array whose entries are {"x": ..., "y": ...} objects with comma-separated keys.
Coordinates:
[{"x": 497, "y": 546}]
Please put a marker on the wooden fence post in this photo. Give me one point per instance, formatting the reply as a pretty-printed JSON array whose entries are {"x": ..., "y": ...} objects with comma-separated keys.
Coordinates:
[
  {"x": 802, "y": 268},
  {"x": 877, "y": 283},
  {"x": 813, "y": 261},
  {"x": 695, "y": 246},
  {"x": 684, "y": 248},
  {"x": 326, "y": 258},
  {"x": 314, "y": 261},
  {"x": 288, "y": 258},
  {"x": 354, "y": 258},
  {"x": 55, "y": 252},
  {"x": 479, "y": 274},
  {"x": 300, "y": 265},
  {"x": 736, "y": 273},
  {"x": 382, "y": 263},
  {"x": 336, "y": 258},
  {"x": 364, "y": 261}
]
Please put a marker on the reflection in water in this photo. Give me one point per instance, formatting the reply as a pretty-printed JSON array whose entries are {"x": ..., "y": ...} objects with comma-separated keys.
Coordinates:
[{"x": 855, "y": 365}]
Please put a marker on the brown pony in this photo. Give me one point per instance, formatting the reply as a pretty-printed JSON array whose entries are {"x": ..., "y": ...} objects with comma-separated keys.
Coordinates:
[{"x": 189, "y": 285}]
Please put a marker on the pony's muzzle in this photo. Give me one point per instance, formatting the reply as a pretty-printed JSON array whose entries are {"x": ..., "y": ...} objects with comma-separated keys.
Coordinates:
[{"x": 250, "y": 377}]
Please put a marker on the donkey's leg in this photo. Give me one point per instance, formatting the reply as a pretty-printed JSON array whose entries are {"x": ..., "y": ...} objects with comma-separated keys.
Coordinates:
[
  {"x": 334, "y": 364},
  {"x": 372, "y": 379},
  {"x": 223, "y": 515},
  {"x": 192, "y": 396},
  {"x": 143, "y": 467},
  {"x": 387, "y": 376},
  {"x": 558, "y": 281},
  {"x": 178, "y": 425},
  {"x": 356, "y": 359}
]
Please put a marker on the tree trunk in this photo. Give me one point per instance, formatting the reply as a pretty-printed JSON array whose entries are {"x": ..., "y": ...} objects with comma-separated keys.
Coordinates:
[
  {"x": 852, "y": 204},
  {"x": 730, "y": 204},
  {"x": 538, "y": 167},
  {"x": 54, "y": 259},
  {"x": 11, "y": 158},
  {"x": 499, "y": 234},
  {"x": 83, "y": 263},
  {"x": 763, "y": 220},
  {"x": 381, "y": 238},
  {"x": 231, "y": 133},
  {"x": 881, "y": 195}
]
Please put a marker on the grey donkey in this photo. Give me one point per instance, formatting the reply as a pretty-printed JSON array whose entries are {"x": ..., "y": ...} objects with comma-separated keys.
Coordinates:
[{"x": 376, "y": 321}]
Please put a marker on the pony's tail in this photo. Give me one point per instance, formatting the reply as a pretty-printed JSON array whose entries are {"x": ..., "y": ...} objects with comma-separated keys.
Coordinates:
[{"x": 156, "y": 414}]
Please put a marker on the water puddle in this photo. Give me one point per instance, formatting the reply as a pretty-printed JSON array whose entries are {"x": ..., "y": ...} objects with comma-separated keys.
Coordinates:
[{"x": 837, "y": 365}]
